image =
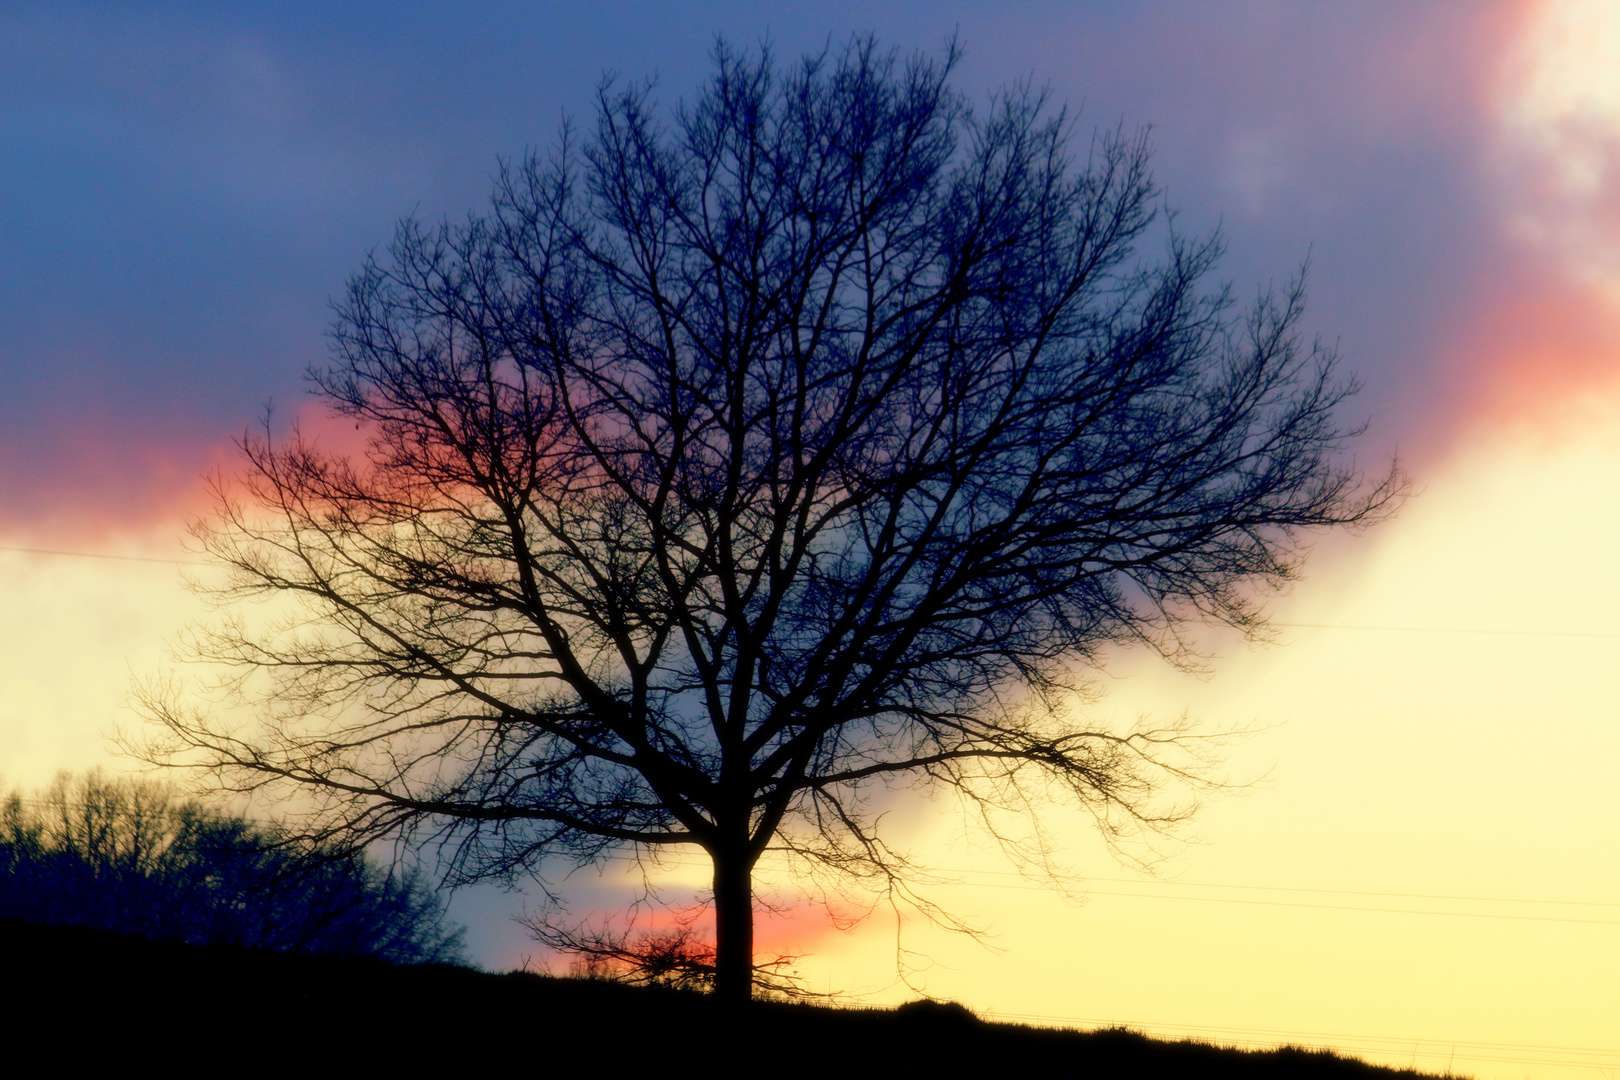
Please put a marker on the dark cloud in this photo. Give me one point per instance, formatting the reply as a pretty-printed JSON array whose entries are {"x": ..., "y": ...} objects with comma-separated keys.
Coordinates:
[{"x": 182, "y": 186}]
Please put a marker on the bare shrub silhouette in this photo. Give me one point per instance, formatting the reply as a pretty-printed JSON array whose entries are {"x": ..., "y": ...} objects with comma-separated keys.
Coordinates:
[{"x": 131, "y": 857}]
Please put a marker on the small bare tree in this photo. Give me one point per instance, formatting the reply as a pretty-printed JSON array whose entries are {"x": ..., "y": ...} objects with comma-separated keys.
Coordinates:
[
  {"x": 750, "y": 458},
  {"x": 132, "y": 857}
]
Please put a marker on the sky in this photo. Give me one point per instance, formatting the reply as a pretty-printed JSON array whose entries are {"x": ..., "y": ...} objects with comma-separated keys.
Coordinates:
[{"x": 1424, "y": 863}]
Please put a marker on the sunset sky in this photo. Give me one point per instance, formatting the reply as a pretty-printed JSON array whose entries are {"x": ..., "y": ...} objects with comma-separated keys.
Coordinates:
[{"x": 1426, "y": 867}]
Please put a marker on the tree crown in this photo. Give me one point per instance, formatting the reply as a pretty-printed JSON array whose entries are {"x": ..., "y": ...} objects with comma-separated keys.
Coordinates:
[{"x": 814, "y": 435}]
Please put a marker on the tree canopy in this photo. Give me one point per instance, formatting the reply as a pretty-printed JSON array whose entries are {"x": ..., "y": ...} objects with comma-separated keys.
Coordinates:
[
  {"x": 751, "y": 457},
  {"x": 132, "y": 857}
]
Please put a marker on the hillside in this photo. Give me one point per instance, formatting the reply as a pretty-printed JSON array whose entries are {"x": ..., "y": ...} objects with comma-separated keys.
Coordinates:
[{"x": 99, "y": 997}]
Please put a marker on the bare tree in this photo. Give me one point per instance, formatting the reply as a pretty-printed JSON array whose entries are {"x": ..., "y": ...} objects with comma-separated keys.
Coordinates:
[
  {"x": 749, "y": 458},
  {"x": 132, "y": 857}
]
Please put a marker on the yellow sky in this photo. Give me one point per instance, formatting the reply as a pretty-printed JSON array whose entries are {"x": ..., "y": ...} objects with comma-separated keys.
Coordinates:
[
  {"x": 1448, "y": 695},
  {"x": 1418, "y": 761}
]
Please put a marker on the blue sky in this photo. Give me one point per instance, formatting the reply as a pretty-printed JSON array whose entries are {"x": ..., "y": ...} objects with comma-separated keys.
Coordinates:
[{"x": 183, "y": 187}]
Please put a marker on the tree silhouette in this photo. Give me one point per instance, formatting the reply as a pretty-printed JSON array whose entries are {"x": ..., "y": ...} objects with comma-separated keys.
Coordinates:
[
  {"x": 131, "y": 857},
  {"x": 749, "y": 458}
]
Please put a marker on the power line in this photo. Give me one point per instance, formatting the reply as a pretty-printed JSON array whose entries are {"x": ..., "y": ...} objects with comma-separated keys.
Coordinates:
[
  {"x": 1388, "y": 1046},
  {"x": 1316, "y": 907},
  {"x": 1450, "y": 630},
  {"x": 680, "y": 861},
  {"x": 101, "y": 555},
  {"x": 1341, "y": 907},
  {"x": 1288, "y": 625},
  {"x": 1466, "y": 1049},
  {"x": 1398, "y": 1040},
  {"x": 1456, "y": 1051},
  {"x": 1332, "y": 892}
]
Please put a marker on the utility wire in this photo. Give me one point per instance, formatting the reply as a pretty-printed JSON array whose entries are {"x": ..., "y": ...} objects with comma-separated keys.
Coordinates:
[
  {"x": 1288, "y": 625},
  {"x": 688, "y": 862},
  {"x": 101, "y": 555},
  {"x": 1469, "y": 1050},
  {"x": 1336, "y": 907},
  {"x": 1333, "y": 892},
  {"x": 691, "y": 862},
  {"x": 1449, "y": 630},
  {"x": 1466, "y": 1049}
]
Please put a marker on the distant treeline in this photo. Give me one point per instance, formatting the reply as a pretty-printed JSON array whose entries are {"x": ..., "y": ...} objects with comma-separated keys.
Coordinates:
[{"x": 131, "y": 857}]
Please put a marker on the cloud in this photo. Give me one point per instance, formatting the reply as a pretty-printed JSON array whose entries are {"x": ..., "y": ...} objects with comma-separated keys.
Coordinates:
[{"x": 1558, "y": 137}]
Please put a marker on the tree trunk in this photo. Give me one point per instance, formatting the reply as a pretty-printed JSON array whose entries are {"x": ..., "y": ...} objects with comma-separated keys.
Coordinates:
[{"x": 733, "y": 927}]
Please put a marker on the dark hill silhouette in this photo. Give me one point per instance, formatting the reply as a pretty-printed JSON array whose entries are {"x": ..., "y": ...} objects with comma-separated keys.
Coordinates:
[{"x": 121, "y": 999}]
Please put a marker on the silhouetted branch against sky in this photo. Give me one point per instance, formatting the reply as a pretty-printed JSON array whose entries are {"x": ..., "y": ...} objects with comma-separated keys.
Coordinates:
[{"x": 751, "y": 455}]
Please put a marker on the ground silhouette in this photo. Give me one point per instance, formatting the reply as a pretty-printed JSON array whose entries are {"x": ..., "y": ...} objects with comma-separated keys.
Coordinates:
[{"x": 241, "y": 1007}]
